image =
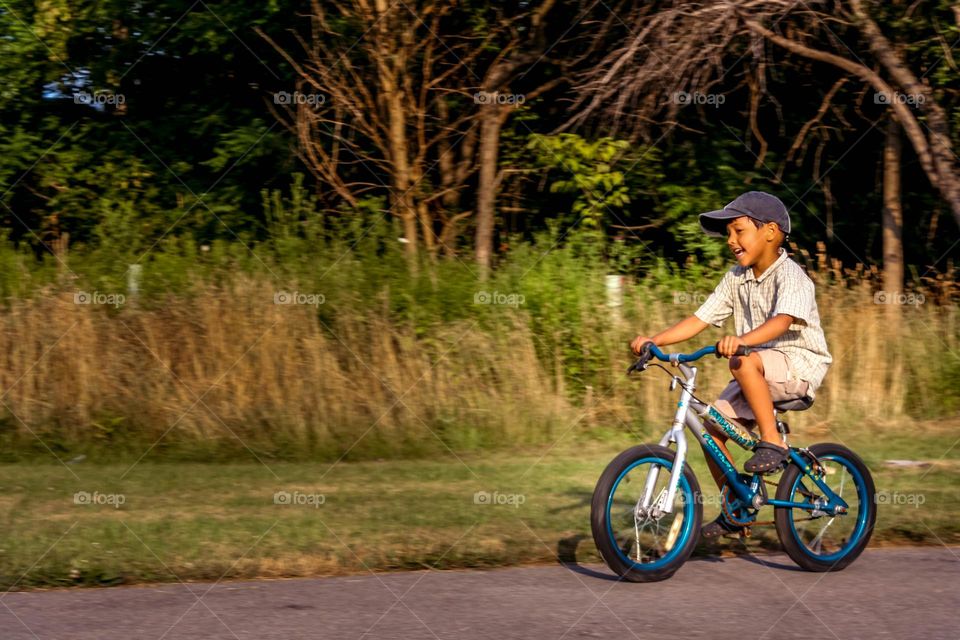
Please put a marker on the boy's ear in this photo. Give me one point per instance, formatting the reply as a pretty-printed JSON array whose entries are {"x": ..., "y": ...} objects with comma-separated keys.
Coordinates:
[{"x": 771, "y": 228}]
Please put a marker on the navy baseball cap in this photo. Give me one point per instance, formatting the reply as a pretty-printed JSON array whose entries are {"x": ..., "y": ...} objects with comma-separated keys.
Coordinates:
[{"x": 758, "y": 205}]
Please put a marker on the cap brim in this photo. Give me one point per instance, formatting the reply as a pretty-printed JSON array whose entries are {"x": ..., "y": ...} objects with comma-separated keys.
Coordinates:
[{"x": 714, "y": 223}]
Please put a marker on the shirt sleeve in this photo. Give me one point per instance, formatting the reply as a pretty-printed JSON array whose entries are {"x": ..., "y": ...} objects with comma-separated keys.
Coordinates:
[
  {"x": 795, "y": 297},
  {"x": 719, "y": 306}
]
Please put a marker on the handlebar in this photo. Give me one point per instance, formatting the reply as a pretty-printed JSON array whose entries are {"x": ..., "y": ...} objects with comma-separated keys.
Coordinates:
[{"x": 650, "y": 350}]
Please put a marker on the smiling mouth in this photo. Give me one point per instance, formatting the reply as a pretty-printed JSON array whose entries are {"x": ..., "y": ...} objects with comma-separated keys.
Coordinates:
[{"x": 738, "y": 253}]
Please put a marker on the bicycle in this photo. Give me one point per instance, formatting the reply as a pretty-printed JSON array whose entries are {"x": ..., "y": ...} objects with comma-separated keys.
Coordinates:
[{"x": 647, "y": 508}]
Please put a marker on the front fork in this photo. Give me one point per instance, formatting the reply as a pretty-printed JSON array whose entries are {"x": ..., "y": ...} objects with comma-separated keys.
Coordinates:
[{"x": 675, "y": 435}]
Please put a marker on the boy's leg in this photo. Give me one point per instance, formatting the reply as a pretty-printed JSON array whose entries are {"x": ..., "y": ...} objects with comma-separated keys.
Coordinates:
[
  {"x": 765, "y": 376},
  {"x": 720, "y": 526},
  {"x": 730, "y": 403},
  {"x": 721, "y": 440},
  {"x": 748, "y": 372}
]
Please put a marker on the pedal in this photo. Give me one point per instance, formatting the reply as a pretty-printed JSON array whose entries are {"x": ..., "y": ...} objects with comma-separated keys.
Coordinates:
[{"x": 745, "y": 533}]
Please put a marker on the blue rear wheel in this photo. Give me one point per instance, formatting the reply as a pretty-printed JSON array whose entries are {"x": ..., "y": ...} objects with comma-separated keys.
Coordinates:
[{"x": 819, "y": 541}]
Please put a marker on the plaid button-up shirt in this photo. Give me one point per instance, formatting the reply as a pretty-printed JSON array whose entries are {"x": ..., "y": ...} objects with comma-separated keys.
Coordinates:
[{"x": 782, "y": 289}]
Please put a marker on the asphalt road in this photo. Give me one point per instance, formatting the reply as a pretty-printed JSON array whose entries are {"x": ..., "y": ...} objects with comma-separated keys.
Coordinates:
[{"x": 887, "y": 593}]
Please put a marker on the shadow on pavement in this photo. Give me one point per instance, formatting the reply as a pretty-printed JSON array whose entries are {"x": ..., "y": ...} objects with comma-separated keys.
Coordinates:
[{"x": 567, "y": 556}]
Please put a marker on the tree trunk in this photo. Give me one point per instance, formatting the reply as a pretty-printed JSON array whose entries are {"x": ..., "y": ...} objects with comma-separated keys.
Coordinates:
[
  {"x": 426, "y": 227},
  {"x": 486, "y": 197},
  {"x": 446, "y": 162},
  {"x": 403, "y": 204},
  {"x": 892, "y": 218}
]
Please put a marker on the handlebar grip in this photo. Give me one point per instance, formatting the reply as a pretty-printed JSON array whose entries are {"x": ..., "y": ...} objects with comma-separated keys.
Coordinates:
[{"x": 742, "y": 350}]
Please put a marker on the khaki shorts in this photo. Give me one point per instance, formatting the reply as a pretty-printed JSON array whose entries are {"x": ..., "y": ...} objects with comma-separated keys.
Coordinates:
[{"x": 783, "y": 382}]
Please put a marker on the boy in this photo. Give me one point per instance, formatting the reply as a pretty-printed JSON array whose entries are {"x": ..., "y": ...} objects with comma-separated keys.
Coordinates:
[{"x": 772, "y": 302}]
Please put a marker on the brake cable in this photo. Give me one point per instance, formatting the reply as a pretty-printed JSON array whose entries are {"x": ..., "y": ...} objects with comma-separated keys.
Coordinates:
[{"x": 673, "y": 376}]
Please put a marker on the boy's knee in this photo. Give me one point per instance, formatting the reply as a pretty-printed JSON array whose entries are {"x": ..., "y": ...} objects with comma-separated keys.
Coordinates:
[{"x": 744, "y": 364}]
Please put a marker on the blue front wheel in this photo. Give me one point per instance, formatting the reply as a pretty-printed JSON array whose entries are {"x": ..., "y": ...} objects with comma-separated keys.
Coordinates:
[{"x": 645, "y": 540}]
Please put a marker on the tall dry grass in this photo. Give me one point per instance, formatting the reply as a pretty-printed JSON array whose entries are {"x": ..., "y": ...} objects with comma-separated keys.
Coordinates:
[
  {"x": 230, "y": 366},
  {"x": 227, "y": 368}
]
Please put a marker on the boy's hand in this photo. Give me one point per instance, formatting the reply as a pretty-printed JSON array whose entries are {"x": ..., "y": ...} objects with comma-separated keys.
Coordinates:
[
  {"x": 728, "y": 345},
  {"x": 638, "y": 342}
]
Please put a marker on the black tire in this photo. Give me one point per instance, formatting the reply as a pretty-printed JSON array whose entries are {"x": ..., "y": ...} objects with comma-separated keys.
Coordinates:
[
  {"x": 783, "y": 516},
  {"x": 602, "y": 536}
]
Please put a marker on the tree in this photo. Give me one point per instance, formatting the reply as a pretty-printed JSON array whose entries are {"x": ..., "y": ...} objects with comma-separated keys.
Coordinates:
[
  {"x": 522, "y": 49},
  {"x": 127, "y": 116},
  {"x": 389, "y": 108},
  {"x": 683, "y": 46}
]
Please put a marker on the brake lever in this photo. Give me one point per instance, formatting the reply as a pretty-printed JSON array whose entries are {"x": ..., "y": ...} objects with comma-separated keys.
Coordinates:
[{"x": 641, "y": 363}]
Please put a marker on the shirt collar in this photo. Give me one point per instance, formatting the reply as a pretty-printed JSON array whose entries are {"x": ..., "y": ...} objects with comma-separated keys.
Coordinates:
[{"x": 748, "y": 272}]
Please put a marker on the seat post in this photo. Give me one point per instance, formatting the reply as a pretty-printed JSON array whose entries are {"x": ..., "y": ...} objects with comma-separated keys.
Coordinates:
[{"x": 782, "y": 427}]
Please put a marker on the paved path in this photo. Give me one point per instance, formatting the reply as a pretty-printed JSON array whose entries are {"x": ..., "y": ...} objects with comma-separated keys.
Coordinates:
[{"x": 887, "y": 593}]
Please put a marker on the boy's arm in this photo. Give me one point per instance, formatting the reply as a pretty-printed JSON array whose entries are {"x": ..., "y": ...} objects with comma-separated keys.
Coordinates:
[
  {"x": 717, "y": 308},
  {"x": 769, "y": 330},
  {"x": 683, "y": 330}
]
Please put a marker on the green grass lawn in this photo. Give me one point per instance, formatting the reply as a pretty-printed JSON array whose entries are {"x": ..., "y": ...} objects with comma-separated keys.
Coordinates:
[{"x": 192, "y": 521}]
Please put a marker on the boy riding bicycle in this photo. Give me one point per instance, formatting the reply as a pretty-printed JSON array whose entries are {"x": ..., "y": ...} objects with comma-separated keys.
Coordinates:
[{"x": 772, "y": 302}]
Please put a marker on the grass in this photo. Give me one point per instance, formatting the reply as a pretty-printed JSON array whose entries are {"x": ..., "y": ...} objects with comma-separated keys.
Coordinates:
[
  {"x": 193, "y": 521},
  {"x": 205, "y": 370}
]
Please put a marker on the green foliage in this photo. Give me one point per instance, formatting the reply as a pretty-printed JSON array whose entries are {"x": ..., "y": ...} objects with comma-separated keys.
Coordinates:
[
  {"x": 589, "y": 170},
  {"x": 664, "y": 193}
]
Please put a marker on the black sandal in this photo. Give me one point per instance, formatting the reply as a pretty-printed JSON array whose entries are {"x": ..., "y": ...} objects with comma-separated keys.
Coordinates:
[
  {"x": 767, "y": 458},
  {"x": 717, "y": 528}
]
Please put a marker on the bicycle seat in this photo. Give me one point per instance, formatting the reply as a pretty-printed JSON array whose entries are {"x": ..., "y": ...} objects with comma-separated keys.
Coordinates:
[{"x": 797, "y": 404}]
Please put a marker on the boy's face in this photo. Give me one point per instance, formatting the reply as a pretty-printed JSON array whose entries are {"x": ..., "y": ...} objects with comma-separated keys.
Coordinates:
[{"x": 749, "y": 242}]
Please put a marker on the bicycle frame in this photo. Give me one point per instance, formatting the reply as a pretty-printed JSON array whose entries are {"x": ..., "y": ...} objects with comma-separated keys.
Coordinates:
[{"x": 750, "y": 492}]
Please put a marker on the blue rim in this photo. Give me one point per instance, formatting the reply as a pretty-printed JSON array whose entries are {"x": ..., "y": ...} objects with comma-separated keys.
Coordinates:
[
  {"x": 688, "y": 512},
  {"x": 862, "y": 516}
]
